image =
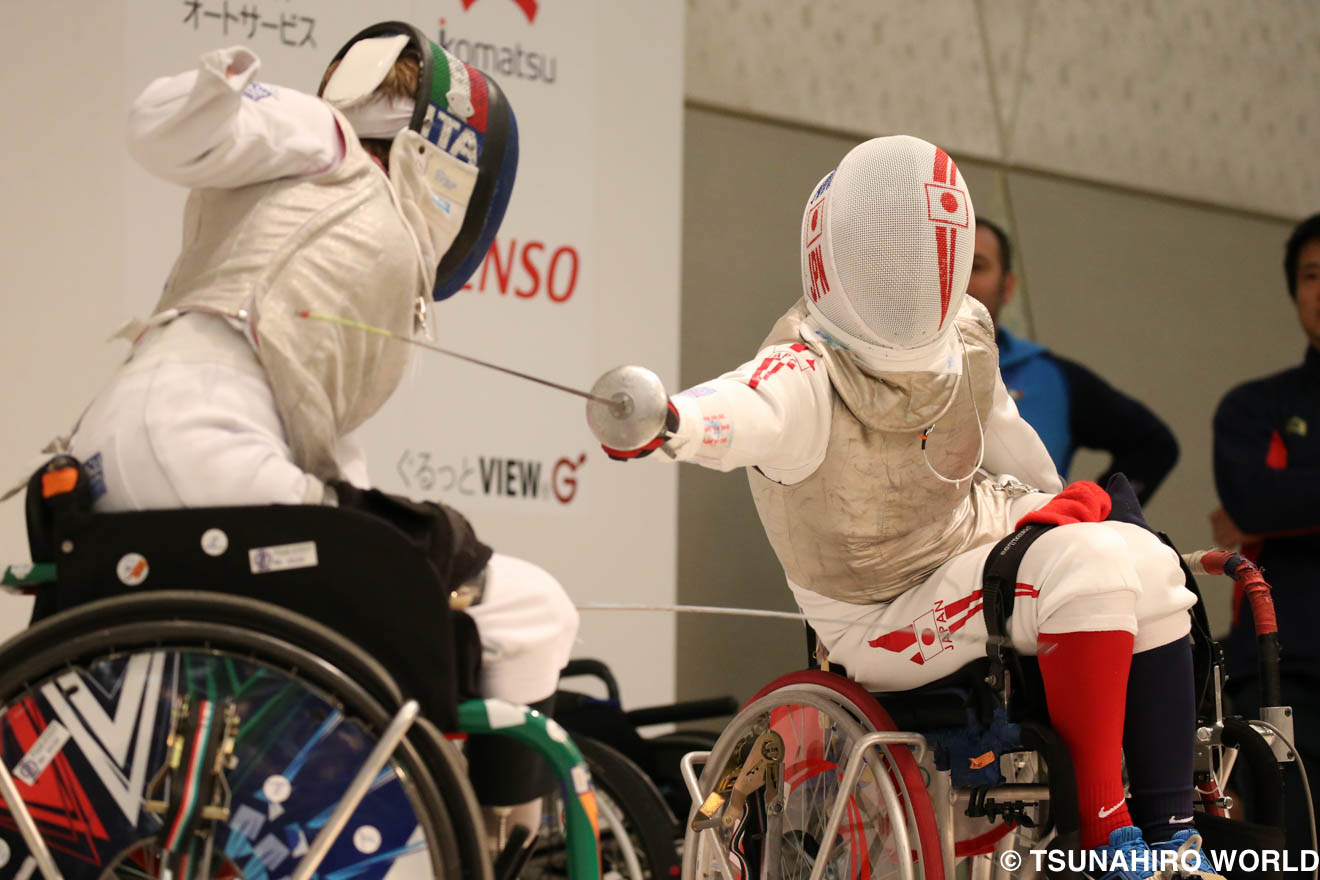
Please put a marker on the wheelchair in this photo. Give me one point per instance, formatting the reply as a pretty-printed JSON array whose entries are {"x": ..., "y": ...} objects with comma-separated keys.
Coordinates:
[
  {"x": 245, "y": 693},
  {"x": 657, "y": 757},
  {"x": 815, "y": 777}
]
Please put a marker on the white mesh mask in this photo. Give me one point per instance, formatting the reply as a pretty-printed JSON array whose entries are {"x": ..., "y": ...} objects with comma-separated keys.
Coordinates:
[{"x": 887, "y": 241}]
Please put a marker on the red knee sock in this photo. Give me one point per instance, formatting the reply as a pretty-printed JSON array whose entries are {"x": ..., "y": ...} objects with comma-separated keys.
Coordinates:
[{"x": 1086, "y": 677}]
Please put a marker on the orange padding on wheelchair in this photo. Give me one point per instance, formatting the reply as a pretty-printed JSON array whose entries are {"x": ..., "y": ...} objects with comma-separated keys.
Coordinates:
[{"x": 57, "y": 482}]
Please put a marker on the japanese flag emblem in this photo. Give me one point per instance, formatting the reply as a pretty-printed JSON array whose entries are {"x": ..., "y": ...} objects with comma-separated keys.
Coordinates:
[
  {"x": 946, "y": 205},
  {"x": 927, "y": 631}
]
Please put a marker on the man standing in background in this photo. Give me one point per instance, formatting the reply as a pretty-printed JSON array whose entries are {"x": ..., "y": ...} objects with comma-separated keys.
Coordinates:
[
  {"x": 1070, "y": 407},
  {"x": 1267, "y": 471}
]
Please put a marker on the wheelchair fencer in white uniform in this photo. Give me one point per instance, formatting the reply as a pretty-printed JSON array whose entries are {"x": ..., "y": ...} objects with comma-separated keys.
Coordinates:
[
  {"x": 300, "y": 203},
  {"x": 886, "y": 459}
]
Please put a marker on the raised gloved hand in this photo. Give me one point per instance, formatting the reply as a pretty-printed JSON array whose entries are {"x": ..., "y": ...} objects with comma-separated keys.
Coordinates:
[{"x": 670, "y": 428}]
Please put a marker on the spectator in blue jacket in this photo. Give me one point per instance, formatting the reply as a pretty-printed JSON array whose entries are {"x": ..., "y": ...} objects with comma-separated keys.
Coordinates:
[{"x": 1070, "y": 407}]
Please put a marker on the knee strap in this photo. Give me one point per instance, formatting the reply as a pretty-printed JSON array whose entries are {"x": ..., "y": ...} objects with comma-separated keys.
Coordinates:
[
  {"x": 505, "y": 772},
  {"x": 998, "y": 591}
]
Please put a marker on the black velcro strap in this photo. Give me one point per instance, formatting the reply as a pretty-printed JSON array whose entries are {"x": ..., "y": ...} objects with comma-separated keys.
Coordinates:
[{"x": 998, "y": 586}]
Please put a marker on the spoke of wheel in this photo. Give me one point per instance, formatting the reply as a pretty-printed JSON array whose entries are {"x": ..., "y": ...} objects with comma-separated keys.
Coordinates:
[{"x": 611, "y": 815}]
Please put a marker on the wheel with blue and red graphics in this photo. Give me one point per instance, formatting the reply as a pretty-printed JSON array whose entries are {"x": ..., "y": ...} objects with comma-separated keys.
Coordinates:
[
  {"x": 817, "y": 719},
  {"x": 190, "y": 735}
]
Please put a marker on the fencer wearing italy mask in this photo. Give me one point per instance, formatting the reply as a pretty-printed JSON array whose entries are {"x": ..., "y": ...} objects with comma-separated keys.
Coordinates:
[{"x": 363, "y": 204}]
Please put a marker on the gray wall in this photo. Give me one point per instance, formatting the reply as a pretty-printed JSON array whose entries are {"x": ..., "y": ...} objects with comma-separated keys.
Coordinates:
[
  {"x": 1172, "y": 302},
  {"x": 1207, "y": 99}
]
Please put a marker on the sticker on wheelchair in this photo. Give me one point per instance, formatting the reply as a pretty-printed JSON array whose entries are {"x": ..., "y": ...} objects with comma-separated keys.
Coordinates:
[
  {"x": 43, "y": 751},
  {"x": 282, "y": 557},
  {"x": 103, "y": 793},
  {"x": 132, "y": 569}
]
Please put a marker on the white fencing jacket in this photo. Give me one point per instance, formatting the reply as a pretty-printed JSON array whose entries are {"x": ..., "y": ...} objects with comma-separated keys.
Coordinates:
[{"x": 833, "y": 445}]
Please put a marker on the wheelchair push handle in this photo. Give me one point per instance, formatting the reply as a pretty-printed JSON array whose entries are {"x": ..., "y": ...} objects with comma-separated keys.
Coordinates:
[
  {"x": 594, "y": 669},
  {"x": 1249, "y": 579},
  {"x": 1247, "y": 575},
  {"x": 671, "y": 713}
]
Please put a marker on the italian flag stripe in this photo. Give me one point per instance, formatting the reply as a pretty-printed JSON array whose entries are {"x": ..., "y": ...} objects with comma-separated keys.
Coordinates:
[
  {"x": 440, "y": 61},
  {"x": 201, "y": 739},
  {"x": 480, "y": 99}
]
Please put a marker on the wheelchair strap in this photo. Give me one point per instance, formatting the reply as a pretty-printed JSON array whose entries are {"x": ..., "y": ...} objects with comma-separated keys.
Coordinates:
[{"x": 998, "y": 586}]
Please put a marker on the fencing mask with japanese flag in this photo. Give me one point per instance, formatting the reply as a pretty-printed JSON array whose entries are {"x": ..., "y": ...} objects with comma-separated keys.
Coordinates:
[
  {"x": 887, "y": 241},
  {"x": 464, "y": 122}
]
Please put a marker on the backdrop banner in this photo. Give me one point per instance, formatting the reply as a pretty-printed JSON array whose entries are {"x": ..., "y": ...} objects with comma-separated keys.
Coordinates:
[{"x": 583, "y": 276}]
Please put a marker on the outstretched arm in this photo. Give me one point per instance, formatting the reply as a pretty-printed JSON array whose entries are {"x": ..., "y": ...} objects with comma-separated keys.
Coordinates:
[
  {"x": 773, "y": 412},
  {"x": 216, "y": 126}
]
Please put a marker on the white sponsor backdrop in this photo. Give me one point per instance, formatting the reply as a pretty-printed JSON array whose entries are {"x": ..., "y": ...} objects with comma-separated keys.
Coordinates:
[{"x": 583, "y": 276}]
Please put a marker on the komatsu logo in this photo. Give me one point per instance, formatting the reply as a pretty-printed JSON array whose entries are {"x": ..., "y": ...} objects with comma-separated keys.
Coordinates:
[{"x": 501, "y": 60}]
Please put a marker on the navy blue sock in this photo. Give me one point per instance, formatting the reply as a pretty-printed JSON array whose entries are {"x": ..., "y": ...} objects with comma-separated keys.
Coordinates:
[{"x": 1158, "y": 735}]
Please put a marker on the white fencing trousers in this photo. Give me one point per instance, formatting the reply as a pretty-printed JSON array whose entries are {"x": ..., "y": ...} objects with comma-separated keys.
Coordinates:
[
  {"x": 527, "y": 625},
  {"x": 1084, "y": 577}
]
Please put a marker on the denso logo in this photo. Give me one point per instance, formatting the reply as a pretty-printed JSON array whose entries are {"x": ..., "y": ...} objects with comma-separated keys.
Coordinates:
[
  {"x": 492, "y": 476},
  {"x": 528, "y": 268}
]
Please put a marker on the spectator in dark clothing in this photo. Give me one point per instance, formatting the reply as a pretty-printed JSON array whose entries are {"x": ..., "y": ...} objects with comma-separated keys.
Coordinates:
[
  {"x": 1070, "y": 407},
  {"x": 1267, "y": 470}
]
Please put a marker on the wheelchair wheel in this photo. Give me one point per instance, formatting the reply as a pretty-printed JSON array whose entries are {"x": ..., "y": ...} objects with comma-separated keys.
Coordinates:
[
  {"x": 818, "y": 717},
  {"x": 274, "y": 715},
  {"x": 636, "y": 826}
]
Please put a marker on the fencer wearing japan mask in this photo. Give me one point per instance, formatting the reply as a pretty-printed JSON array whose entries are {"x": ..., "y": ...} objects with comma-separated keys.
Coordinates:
[{"x": 886, "y": 460}]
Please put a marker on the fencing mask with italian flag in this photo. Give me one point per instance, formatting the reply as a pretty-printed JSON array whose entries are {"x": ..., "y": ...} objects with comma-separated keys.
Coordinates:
[{"x": 465, "y": 118}]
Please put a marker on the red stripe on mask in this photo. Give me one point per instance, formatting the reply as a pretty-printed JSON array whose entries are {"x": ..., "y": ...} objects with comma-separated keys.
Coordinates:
[
  {"x": 945, "y": 239},
  {"x": 480, "y": 98}
]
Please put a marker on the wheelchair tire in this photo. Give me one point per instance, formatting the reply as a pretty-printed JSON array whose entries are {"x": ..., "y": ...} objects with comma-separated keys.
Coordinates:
[
  {"x": 285, "y": 649},
  {"x": 819, "y": 717},
  {"x": 866, "y": 708},
  {"x": 627, "y": 801},
  {"x": 858, "y": 701}
]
